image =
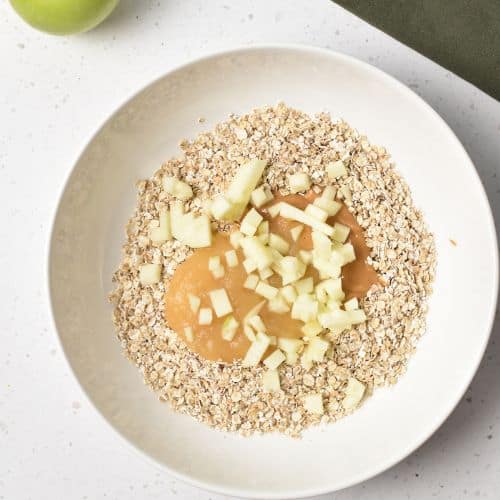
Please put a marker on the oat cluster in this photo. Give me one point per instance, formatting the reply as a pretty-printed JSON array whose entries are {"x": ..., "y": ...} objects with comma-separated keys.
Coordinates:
[{"x": 228, "y": 396}]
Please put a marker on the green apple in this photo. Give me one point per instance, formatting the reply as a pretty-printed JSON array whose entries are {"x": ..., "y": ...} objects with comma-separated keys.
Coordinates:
[{"x": 64, "y": 17}]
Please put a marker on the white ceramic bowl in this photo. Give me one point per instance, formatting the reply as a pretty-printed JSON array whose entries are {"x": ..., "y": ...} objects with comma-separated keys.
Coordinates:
[{"x": 99, "y": 197}]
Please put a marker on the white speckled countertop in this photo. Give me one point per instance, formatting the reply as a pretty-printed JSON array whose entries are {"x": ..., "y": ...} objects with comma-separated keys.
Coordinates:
[{"x": 54, "y": 92}]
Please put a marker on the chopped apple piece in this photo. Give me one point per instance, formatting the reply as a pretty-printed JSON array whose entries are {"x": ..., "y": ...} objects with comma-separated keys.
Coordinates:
[
  {"x": 163, "y": 232},
  {"x": 273, "y": 340},
  {"x": 188, "y": 333},
  {"x": 331, "y": 207},
  {"x": 235, "y": 239},
  {"x": 194, "y": 302},
  {"x": 149, "y": 274},
  {"x": 329, "y": 193},
  {"x": 288, "y": 293},
  {"x": 256, "y": 323},
  {"x": 340, "y": 232},
  {"x": 245, "y": 180},
  {"x": 292, "y": 358},
  {"x": 249, "y": 333},
  {"x": 351, "y": 304},
  {"x": 257, "y": 251},
  {"x": 289, "y": 345},
  {"x": 336, "y": 169},
  {"x": 330, "y": 289},
  {"x": 251, "y": 281},
  {"x": 357, "y": 316},
  {"x": 250, "y": 222},
  {"x": 316, "y": 212},
  {"x": 274, "y": 210},
  {"x": 291, "y": 269},
  {"x": 267, "y": 291},
  {"x": 305, "y": 256},
  {"x": 322, "y": 245},
  {"x": 249, "y": 265},
  {"x": 254, "y": 311},
  {"x": 290, "y": 212},
  {"x": 193, "y": 231},
  {"x": 354, "y": 393},
  {"x": 316, "y": 349},
  {"x": 305, "y": 308},
  {"x": 215, "y": 267},
  {"x": 296, "y": 231},
  {"x": 229, "y": 328},
  {"x": 256, "y": 351},
  {"x": 312, "y": 328},
  {"x": 222, "y": 209},
  {"x": 264, "y": 238},
  {"x": 220, "y": 302},
  {"x": 271, "y": 381},
  {"x": 327, "y": 268},
  {"x": 314, "y": 403},
  {"x": 278, "y": 243},
  {"x": 263, "y": 227},
  {"x": 347, "y": 253},
  {"x": 336, "y": 319},
  {"x": 299, "y": 182},
  {"x": 278, "y": 305},
  {"x": 205, "y": 316},
  {"x": 346, "y": 193},
  {"x": 261, "y": 196},
  {"x": 274, "y": 360},
  {"x": 305, "y": 285},
  {"x": 231, "y": 258},
  {"x": 176, "y": 188},
  {"x": 265, "y": 273}
]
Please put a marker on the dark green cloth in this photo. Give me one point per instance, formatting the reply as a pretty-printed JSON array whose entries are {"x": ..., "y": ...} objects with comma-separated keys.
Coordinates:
[{"x": 461, "y": 35}]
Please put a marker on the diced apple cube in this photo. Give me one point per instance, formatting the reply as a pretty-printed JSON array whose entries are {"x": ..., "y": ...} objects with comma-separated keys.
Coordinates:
[
  {"x": 305, "y": 308},
  {"x": 299, "y": 182},
  {"x": 354, "y": 393},
  {"x": 253, "y": 218},
  {"x": 264, "y": 238},
  {"x": 351, "y": 304},
  {"x": 265, "y": 290},
  {"x": 188, "y": 333},
  {"x": 222, "y": 209},
  {"x": 290, "y": 212},
  {"x": 247, "y": 229},
  {"x": 194, "y": 302},
  {"x": 316, "y": 349},
  {"x": 340, "y": 232},
  {"x": 347, "y": 252},
  {"x": 265, "y": 273},
  {"x": 177, "y": 188},
  {"x": 329, "y": 193},
  {"x": 335, "y": 319},
  {"x": 220, "y": 302},
  {"x": 235, "y": 238},
  {"x": 257, "y": 251},
  {"x": 244, "y": 182},
  {"x": 271, "y": 381},
  {"x": 231, "y": 258},
  {"x": 273, "y": 340},
  {"x": 261, "y": 196},
  {"x": 254, "y": 311},
  {"x": 251, "y": 281},
  {"x": 356, "y": 316},
  {"x": 331, "y": 207},
  {"x": 346, "y": 193},
  {"x": 291, "y": 269},
  {"x": 149, "y": 274},
  {"x": 278, "y": 305},
  {"x": 296, "y": 231},
  {"x": 205, "y": 316},
  {"x": 336, "y": 169},
  {"x": 249, "y": 265},
  {"x": 274, "y": 360},
  {"x": 322, "y": 245},
  {"x": 256, "y": 323},
  {"x": 163, "y": 232},
  {"x": 330, "y": 289},
  {"x": 278, "y": 243},
  {"x": 263, "y": 227},
  {"x": 305, "y": 285},
  {"x": 274, "y": 210},
  {"x": 257, "y": 350},
  {"x": 292, "y": 358},
  {"x": 193, "y": 231},
  {"x": 312, "y": 328},
  {"x": 214, "y": 262},
  {"x": 249, "y": 333},
  {"x": 290, "y": 345},
  {"x": 229, "y": 328},
  {"x": 327, "y": 268},
  {"x": 305, "y": 256},
  {"x": 314, "y": 403},
  {"x": 288, "y": 293},
  {"x": 316, "y": 212}
]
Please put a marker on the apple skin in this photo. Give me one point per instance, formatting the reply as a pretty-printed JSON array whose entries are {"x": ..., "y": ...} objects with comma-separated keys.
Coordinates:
[{"x": 64, "y": 17}]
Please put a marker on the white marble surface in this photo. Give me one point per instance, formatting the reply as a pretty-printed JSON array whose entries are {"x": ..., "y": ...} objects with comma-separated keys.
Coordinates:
[{"x": 53, "y": 93}]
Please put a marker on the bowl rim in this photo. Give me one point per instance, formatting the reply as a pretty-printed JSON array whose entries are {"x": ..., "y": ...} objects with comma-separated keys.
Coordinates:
[{"x": 433, "y": 426}]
